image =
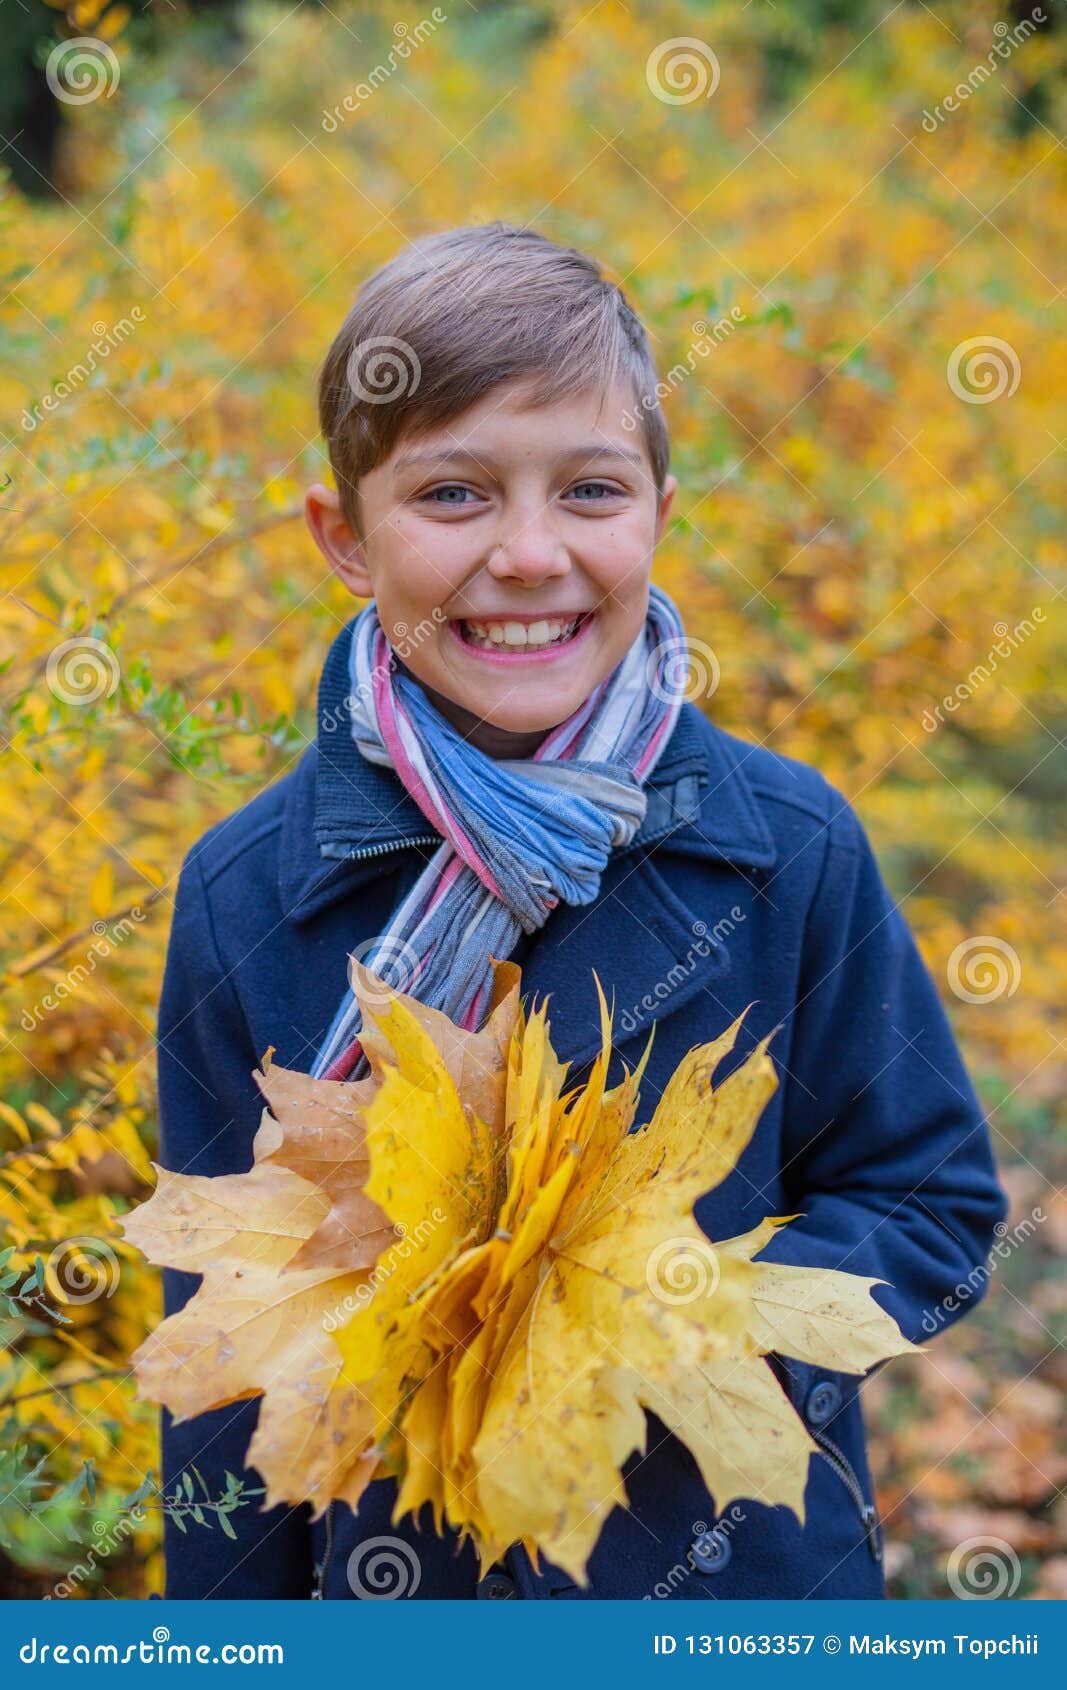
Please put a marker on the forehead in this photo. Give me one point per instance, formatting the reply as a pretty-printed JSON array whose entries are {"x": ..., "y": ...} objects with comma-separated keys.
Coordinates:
[{"x": 507, "y": 426}]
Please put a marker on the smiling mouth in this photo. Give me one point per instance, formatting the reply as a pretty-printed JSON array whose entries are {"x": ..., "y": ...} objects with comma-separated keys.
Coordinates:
[{"x": 512, "y": 638}]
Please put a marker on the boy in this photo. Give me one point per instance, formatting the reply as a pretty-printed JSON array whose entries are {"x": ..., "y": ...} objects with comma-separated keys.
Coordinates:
[{"x": 506, "y": 764}]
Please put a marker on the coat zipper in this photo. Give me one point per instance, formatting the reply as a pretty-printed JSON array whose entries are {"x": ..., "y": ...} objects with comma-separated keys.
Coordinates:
[
  {"x": 393, "y": 845},
  {"x": 380, "y": 850},
  {"x": 841, "y": 1465},
  {"x": 319, "y": 1593}
]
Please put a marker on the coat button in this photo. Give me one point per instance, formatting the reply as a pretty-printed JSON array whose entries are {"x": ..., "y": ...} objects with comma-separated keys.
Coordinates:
[
  {"x": 711, "y": 1551},
  {"x": 824, "y": 1400},
  {"x": 496, "y": 1587}
]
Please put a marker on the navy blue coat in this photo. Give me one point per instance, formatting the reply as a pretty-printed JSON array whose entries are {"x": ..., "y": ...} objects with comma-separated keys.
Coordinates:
[{"x": 750, "y": 881}]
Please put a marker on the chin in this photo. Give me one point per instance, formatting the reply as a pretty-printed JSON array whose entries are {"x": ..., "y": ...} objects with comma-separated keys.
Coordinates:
[{"x": 531, "y": 721}]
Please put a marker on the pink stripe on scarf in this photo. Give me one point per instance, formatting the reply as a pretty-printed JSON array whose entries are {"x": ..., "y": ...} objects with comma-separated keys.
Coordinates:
[
  {"x": 653, "y": 746},
  {"x": 446, "y": 880},
  {"x": 443, "y": 820},
  {"x": 342, "y": 1065},
  {"x": 472, "y": 1018}
]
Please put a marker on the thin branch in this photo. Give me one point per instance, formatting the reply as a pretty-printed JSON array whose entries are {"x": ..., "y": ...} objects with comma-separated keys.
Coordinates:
[{"x": 69, "y": 1385}]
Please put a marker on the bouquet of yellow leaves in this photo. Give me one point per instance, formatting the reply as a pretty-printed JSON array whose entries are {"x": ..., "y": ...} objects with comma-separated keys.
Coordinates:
[{"x": 457, "y": 1272}]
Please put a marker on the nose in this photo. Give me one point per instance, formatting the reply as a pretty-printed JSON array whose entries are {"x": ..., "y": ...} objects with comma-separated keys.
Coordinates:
[{"x": 531, "y": 552}]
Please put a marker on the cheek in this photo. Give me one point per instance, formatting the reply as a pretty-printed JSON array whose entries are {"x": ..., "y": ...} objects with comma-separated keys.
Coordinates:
[
  {"x": 624, "y": 590},
  {"x": 409, "y": 588},
  {"x": 426, "y": 569},
  {"x": 622, "y": 559}
]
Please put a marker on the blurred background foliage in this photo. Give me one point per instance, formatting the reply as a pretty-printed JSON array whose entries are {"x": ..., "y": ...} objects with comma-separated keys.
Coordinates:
[{"x": 852, "y": 538}]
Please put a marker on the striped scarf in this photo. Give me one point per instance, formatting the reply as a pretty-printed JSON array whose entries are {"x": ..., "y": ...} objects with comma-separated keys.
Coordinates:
[{"x": 517, "y": 836}]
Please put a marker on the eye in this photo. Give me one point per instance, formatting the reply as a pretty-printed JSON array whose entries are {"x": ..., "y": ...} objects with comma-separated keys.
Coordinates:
[
  {"x": 601, "y": 487},
  {"x": 432, "y": 495}
]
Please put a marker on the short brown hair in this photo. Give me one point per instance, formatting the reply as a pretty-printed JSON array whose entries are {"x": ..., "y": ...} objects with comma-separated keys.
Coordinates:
[{"x": 457, "y": 314}]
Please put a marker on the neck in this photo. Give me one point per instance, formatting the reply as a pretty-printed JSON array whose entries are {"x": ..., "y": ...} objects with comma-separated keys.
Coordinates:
[{"x": 485, "y": 736}]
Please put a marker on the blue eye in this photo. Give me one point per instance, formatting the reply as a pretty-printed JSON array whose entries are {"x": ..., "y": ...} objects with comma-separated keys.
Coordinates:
[
  {"x": 434, "y": 491},
  {"x": 603, "y": 487}
]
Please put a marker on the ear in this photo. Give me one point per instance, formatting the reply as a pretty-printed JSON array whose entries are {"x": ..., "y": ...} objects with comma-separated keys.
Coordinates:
[
  {"x": 665, "y": 502},
  {"x": 336, "y": 540}
]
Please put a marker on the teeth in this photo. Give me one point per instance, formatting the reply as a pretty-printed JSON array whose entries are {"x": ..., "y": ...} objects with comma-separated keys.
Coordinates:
[{"x": 546, "y": 632}]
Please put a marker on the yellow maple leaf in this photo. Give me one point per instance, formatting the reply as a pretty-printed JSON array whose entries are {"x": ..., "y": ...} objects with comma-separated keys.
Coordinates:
[
  {"x": 288, "y": 1251},
  {"x": 461, "y": 1273}
]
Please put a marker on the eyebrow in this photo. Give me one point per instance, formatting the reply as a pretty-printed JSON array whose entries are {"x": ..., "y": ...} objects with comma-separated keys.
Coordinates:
[{"x": 458, "y": 454}]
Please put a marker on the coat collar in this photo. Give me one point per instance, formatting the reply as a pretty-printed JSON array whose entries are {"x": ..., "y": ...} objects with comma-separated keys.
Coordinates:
[{"x": 700, "y": 803}]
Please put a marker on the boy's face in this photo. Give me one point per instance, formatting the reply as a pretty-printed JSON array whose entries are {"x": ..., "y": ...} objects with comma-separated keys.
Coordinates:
[{"x": 478, "y": 535}]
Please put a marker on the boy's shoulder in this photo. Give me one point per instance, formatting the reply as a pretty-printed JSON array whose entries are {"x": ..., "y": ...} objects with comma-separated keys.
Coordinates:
[
  {"x": 780, "y": 796},
  {"x": 250, "y": 835}
]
